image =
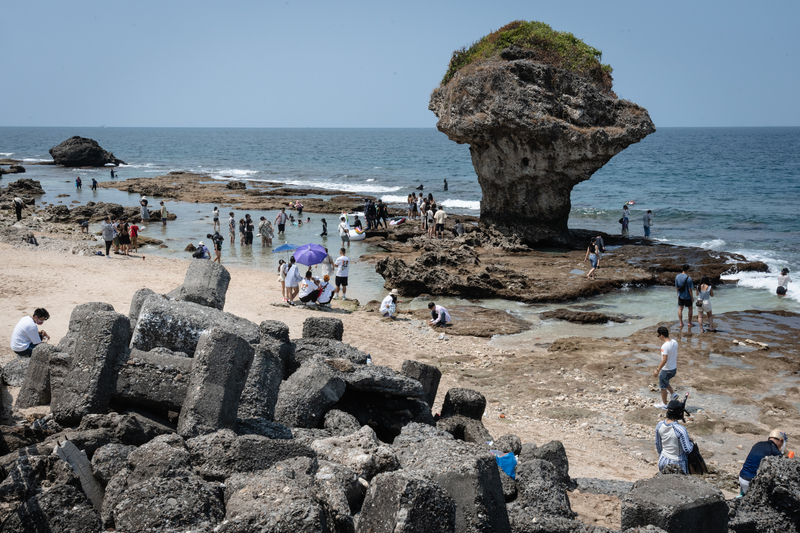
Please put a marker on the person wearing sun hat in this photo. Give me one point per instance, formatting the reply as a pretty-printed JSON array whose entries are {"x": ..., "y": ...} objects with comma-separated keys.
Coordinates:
[
  {"x": 672, "y": 440},
  {"x": 389, "y": 304},
  {"x": 145, "y": 212},
  {"x": 774, "y": 445}
]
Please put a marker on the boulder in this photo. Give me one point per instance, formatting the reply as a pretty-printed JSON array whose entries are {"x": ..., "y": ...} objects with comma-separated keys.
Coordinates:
[
  {"x": 554, "y": 453},
  {"x": 509, "y": 486},
  {"x": 385, "y": 414},
  {"x": 361, "y": 452},
  {"x": 675, "y": 503},
  {"x": 466, "y": 402},
  {"x": 82, "y": 315},
  {"x": 205, "y": 283},
  {"x": 14, "y": 371},
  {"x": 307, "y": 395},
  {"x": 466, "y": 429},
  {"x": 535, "y": 131},
  {"x": 581, "y": 317},
  {"x": 339, "y": 491},
  {"x": 466, "y": 471},
  {"x": 260, "y": 393},
  {"x": 136, "y": 304},
  {"x": 382, "y": 380},
  {"x": 84, "y": 382},
  {"x": 264, "y": 428},
  {"x": 46, "y": 512},
  {"x": 323, "y": 328},
  {"x": 110, "y": 459},
  {"x": 427, "y": 375},
  {"x": 177, "y": 326},
  {"x": 277, "y": 499},
  {"x": 340, "y": 423},
  {"x": 273, "y": 330},
  {"x": 219, "y": 455},
  {"x": 79, "y": 462},
  {"x": 221, "y": 364},
  {"x": 24, "y": 187},
  {"x": 29, "y": 475},
  {"x": 510, "y": 443},
  {"x": 154, "y": 379},
  {"x": 306, "y": 349},
  {"x": 399, "y": 502},
  {"x": 133, "y": 427},
  {"x": 35, "y": 389},
  {"x": 539, "y": 490},
  {"x": 527, "y": 451},
  {"x": 772, "y": 502},
  {"x": 81, "y": 152}
]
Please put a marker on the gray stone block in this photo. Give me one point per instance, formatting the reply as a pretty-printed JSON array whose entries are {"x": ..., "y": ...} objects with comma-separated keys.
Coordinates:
[
  {"x": 29, "y": 475},
  {"x": 273, "y": 330},
  {"x": 399, "y": 502},
  {"x": 110, "y": 459},
  {"x": 428, "y": 375},
  {"x": 466, "y": 402},
  {"x": 527, "y": 451},
  {"x": 219, "y": 455},
  {"x": 540, "y": 491},
  {"x": 307, "y": 349},
  {"x": 383, "y": 380},
  {"x": 773, "y": 501},
  {"x": 509, "y": 486},
  {"x": 153, "y": 379},
  {"x": 323, "y": 328},
  {"x": 35, "y": 388},
  {"x": 361, "y": 452},
  {"x": 508, "y": 443},
  {"x": 205, "y": 283},
  {"x": 466, "y": 429},
  {"x": 137, "y": 302},
  {"x": 46, "y": 512},
  {"x": 307, "y": 395},
  {"x": 81, "y": 316},
  {"x": 340, "y": 423},
  {"x": 675, "y": 503},
  {"x": 554, "y": 453},
  {"x": 263, "y": 382},
  {"x": 14, "y": 371},
  {"x": 177, "y": 326},
  {"x": 221, "y": 365},
  {"x": 264, "y": 428},
  {"x": 466, "y": 471},
  {"x": 86, "y": 385}
]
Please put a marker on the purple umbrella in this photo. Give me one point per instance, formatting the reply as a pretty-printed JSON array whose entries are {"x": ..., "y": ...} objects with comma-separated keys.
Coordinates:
[{"x": 310, "y": 254}]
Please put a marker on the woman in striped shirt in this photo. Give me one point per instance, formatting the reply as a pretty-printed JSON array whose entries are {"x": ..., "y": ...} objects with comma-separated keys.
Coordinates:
[{"x": 672, "y": 439}]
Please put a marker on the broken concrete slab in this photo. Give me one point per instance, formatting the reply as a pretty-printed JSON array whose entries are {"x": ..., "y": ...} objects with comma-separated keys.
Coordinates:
[
  {"x": 307, "y": 395},
  {"x": 323, "y": 328},
  {"x": 35, "y": 389},
  {"x": 466, "y": 429},
  {"x": 137, "y": 302},
  {"x": 80, "y": 464},
  {"x": 540, "y": 491},
  {"x": 46, "y": 512},
  {"x": 383, "y": 380},
  {"x": 428, "y": 375},
  {"x": 221, "y": 364},
  {"x": 15, "y": 370},
  {"x": 260, "y": 393},
  {"x": 206, "y": 283},
  {"x": 362, "y": 452},
  {"x": 466, "y": 402},
  {"x": 110, "y": 459},
  {"x": 273, "y": 330},
  {"x": 154, "y": 379}
]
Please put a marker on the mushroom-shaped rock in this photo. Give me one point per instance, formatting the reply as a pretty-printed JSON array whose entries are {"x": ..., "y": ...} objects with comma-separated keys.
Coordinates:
[
  {"x": 537, "y": 110},
  {"x": 81, "y": 152}
]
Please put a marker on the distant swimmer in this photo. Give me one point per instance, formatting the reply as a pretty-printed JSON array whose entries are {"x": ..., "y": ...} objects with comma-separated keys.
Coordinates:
[
  {"x": 445, "y": 184},
  {"x": 420, "y": 187}
]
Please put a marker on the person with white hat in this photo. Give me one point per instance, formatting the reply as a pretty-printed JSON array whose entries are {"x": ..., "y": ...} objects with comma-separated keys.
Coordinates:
[
  {"x": 145, "y": 212},
  {"x": 389, "y": 305},
  {"x": 774, "y": 445},
  {"x": 201, "y": 252}
]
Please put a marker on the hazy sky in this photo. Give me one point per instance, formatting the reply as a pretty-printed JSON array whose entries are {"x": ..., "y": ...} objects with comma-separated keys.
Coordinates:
[{"x": 372, "y": 63}]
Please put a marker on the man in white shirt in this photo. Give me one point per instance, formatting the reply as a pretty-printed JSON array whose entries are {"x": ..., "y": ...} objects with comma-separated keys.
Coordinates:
[
  {"x": 26, "y": 334},
  {"x": 439, "y": 219},
  {"x": 280, "y": 220},
  {"x": 308, "y": 289},
  {"x": 667, "y": 368},
  {"x": 439, "y": 315},
  {"x": 342, "y": 265},
  {"x": 344, "y": 232},
  {"x": 293, "y": 280}
]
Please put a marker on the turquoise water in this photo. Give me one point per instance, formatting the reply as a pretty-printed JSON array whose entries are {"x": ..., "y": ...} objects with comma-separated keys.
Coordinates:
[{"x": 732, "y": 189}]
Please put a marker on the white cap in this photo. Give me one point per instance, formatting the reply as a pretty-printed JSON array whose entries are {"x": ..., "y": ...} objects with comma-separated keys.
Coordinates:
[{"x": 200, "y": 243}]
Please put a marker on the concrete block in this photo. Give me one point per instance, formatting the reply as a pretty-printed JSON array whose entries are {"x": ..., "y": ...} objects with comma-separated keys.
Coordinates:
[{"x": 428, "y": 375}]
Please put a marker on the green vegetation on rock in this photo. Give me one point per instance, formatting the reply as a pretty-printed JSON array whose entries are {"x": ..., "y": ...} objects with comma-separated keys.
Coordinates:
[{"x": 539, "y": 42}]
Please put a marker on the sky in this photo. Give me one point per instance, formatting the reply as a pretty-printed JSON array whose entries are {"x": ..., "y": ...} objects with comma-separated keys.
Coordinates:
[{"x": 373, "y": 63}]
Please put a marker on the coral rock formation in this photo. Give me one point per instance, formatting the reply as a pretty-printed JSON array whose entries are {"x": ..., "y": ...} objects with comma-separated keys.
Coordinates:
[{"x": 81, "y": 152}]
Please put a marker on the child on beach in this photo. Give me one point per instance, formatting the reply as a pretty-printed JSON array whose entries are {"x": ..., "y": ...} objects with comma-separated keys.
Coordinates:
[
  {"x": 133, "y": 229},
  {"x": 85, "y": 226},
  {"x": 282, "y": 269}
]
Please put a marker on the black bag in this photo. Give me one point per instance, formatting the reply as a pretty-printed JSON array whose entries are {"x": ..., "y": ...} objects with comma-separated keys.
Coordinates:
[
  {"x": 697, "y": 465},
  {"x": 199, "y": 254},
  {"x": 621, "y": 220}
]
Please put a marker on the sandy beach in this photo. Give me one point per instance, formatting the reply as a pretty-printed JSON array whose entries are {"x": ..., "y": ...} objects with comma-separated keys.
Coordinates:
[{"x": 592, "y": 394}]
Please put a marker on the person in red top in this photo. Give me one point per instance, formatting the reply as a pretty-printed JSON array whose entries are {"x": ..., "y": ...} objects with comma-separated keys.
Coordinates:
[{"x": 134, "y": 233}]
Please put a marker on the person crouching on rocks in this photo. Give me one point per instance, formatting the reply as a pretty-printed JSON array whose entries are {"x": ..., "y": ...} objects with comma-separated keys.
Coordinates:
[
  {"x": 389, "y": 305},
  {"x": 774, "y": 445},
  {"x": 439, "y": 315},
  {"x": 672, "y": 441}
]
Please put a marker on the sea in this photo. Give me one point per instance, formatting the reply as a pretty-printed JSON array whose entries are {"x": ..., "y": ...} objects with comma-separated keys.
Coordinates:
[{"x": 723, "y": 189}]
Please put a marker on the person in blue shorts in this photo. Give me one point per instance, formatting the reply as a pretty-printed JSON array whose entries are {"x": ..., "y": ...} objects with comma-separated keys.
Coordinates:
[
  {"x": 668, "y": 367},
  {"x": 593, "y": 256}
]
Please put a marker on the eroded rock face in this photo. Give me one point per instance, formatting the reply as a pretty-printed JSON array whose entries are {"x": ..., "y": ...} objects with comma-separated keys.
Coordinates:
[
  {"x": 535, "y": 131},
  {"x": 81, "y": 152}
]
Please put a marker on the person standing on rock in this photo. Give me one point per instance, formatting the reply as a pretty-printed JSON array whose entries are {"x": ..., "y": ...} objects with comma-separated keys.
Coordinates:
[
  {"x": 383, "y": 214},
  {"x": 704, "y": 293},
  {"x": 647, "y": 220},
  {"x": 672, "y": 440},
  {"x": 215, "y": 217},
  {"x": 342, "y": 264},
  {"x": 773, "y": 446},
  {"x": 164, "y": 213},
  {"x": 18, "y": 204},
  {"x": 684, "y": 286},
  {"x": 145, "y": 211},
  {"x": 667, "y": 368},
  {"x": 108, "y": 233},
  {"x": 439, "y": 315},
  {"x": 593, "y": 257},
  {"x": 26, "y": 335},
  {"x": 280, "y": 221},
  {"x": 94, "y": 185}
]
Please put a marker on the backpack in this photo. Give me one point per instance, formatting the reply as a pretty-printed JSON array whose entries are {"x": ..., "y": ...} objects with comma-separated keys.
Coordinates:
[{"x": 697, "y": 465}]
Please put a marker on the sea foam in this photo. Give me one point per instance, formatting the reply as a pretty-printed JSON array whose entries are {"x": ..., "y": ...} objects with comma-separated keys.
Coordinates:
[
  {"x": 348, "y": 187},
  {"x": 462, "y": 204}
]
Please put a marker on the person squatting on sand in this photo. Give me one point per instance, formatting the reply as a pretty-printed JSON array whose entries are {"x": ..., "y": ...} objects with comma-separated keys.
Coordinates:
[
  {"x": 672, "y": 440},
  {"x": 783, "y": 282},
  {"x": 26, "y": 336},
  {"x": 342, "y": 264},
  {"x": 684, "y": 286},
  {"x": 704, "y": 293},
  {"x": 668, "y": 367},
  {"x": 593, "y": 257},
  {"x": 309, "y": 291},
  {"x": 775, "y": 445},
  {"x": 439, "y": 315},
  {"x": 389, "y": 305}
]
